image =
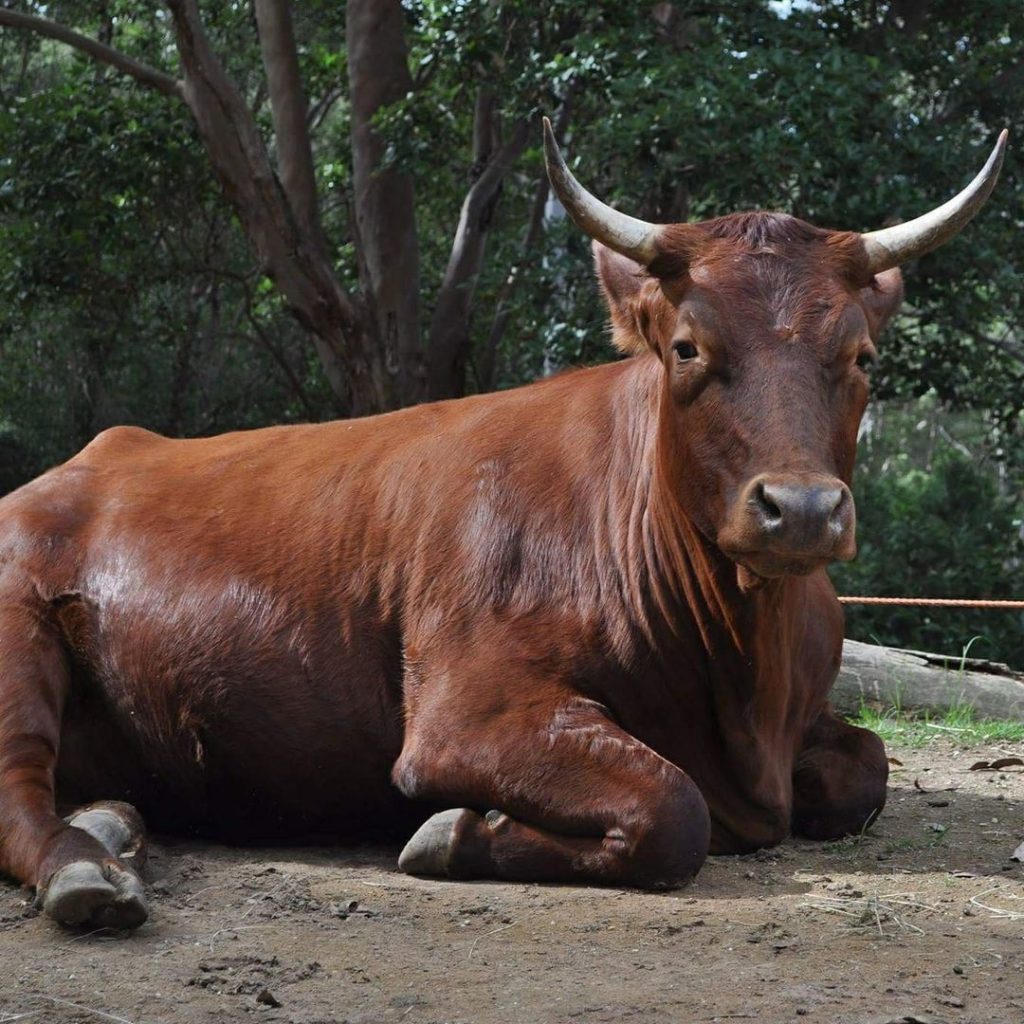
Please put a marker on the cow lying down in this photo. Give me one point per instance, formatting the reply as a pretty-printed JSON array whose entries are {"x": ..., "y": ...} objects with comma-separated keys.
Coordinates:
[{"x": 583, "y": 627}]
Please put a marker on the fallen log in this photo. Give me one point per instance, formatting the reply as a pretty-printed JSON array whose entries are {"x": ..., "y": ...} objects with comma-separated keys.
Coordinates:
[{"x": 921, "y": 682}]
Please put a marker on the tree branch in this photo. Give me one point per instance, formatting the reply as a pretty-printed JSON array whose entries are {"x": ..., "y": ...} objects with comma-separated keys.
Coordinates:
[
  {"x": 1008, "y": 343},
  {"x": 288, "y": 108},
  {"x": 322, "y": 108},
  {"x": 486, "y": 374},
  {"x": 142, "y": 73},
  {"x": 449, "y": 326},
  {"x": 295, "y": 261}
]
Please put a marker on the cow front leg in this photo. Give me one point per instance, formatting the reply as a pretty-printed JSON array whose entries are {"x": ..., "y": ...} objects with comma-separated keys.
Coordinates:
[
  {"x": 105, "y": 892},
  {"x": 81, "y": 866},
  {"x": 839, "y": 783},
  {"x": 551, "y": 792}
]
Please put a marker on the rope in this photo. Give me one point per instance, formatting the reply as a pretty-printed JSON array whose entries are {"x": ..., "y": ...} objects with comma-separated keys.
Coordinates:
[{"x": 935, "y": 602}]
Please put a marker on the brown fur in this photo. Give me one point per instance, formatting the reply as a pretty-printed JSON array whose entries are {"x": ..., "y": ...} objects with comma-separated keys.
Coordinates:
[{"x": 516, "y": 601}]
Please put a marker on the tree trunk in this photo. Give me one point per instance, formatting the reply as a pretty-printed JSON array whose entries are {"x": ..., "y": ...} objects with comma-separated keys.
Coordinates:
[
  {"x": 295, "y": 261},
  {"x": 385, "y": 215},
  {"x": 918, "y": 681},
  {"x": 449, "y": 339}
]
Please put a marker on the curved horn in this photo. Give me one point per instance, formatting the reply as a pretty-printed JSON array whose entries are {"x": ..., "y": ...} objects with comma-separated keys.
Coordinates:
[
  {"x": 626, "y": 235},
  {"x": 890, "y": 247}
]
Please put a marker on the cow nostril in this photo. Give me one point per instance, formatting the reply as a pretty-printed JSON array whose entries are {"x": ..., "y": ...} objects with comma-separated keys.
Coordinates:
[
  {"x": 837, "y": 502},
  {"x": 767, "y": 509}
]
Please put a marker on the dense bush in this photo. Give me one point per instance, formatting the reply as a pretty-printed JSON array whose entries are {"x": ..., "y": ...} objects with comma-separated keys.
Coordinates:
[{"x": 947, "y": 532}]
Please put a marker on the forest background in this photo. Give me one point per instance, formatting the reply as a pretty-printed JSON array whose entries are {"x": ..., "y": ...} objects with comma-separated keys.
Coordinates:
[{"x": 219, "y": 214}]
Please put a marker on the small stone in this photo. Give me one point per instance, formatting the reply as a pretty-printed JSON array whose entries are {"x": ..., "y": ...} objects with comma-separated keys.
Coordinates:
[
  {"x": 844, "y": 889},
  {"x": 267, "y": 998}
]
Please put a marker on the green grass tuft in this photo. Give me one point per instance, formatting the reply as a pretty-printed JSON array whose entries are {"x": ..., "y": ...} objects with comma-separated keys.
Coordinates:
[{"x": 958, "y": 725}]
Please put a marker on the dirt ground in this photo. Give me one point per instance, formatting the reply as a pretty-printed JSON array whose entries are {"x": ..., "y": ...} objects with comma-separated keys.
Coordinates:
[{"x": 922, "y": 919}]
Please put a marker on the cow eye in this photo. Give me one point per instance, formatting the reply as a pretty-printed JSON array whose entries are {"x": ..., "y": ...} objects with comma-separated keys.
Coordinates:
[
  {"x": 867, "y": 361},
  {"x": 684, "y": 350}
]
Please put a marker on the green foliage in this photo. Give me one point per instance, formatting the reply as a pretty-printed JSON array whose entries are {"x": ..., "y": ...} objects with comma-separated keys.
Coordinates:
[
  {"x": 126, "y": 291},
  {"x": 848, "y": 115},
  {"x": 947, "y": 530}
]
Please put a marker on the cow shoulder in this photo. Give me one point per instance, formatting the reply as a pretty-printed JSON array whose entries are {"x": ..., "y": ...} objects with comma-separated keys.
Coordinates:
[{"x": 115, "y": 441}]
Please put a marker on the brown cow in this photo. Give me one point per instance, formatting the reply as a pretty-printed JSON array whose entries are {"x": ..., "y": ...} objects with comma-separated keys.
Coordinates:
[{"x": 585, "y": 621}]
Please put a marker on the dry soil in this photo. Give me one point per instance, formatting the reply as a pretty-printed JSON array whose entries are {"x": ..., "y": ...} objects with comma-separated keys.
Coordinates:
[{"x": 922, "y": 919}]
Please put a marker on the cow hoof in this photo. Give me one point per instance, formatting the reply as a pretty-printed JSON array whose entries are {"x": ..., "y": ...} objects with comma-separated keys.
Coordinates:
[
  {"x": 86, "y": 893},
  {"x": 428, "y": 850},
  {"x": 117, "y": 826}
]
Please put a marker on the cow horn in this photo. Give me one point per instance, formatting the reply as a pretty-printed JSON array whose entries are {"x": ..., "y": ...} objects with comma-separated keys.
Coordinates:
[
  {"x": 890, "y": 247},
  {"x": 626, "y": 235}
]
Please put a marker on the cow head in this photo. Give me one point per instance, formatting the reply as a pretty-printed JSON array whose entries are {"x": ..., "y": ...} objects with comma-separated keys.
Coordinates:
[{"x": 766, "y": 329}]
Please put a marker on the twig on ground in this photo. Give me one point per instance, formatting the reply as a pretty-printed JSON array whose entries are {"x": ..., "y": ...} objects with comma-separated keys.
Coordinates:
[
  {"x": 254, "y": 901},
  {"x": 87, "y": 935},
  {"x": 878, "y": 919},
  {"x": 879, "y": 908},
  {"x": 199, "y": 892},
  {"x": 86, "y": 1009},
  {"x": 493, "y": 931},
  {"x": 1012, "y": 915}
]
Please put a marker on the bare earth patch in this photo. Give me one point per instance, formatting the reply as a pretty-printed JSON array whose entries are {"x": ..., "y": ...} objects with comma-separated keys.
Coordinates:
[{"x": 922, "y": 919}]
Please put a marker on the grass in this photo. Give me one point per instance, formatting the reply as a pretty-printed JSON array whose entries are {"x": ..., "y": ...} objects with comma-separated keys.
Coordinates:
[
  {"x": 853, "y": 848},
  {"x": 959, "y": 725}
]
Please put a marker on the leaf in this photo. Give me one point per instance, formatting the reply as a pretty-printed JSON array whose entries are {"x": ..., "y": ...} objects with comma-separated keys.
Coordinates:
[{"x": 998, "y": 765}]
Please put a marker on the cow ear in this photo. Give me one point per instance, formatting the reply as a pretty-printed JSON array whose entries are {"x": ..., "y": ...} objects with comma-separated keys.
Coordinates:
[
  {"x": 882, "y": 298},
  {"x": 627, "y": 290}
]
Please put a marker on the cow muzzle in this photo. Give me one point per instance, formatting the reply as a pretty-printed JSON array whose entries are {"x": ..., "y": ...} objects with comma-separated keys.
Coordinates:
[{"x": 790, "y": 524}]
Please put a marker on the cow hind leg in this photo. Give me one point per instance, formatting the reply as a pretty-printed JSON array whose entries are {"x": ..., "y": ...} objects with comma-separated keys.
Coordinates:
[
  {"x": 839, "y": 784},
  {"x": 80, "y": 866},
  {"x": 559, "y": 795}
]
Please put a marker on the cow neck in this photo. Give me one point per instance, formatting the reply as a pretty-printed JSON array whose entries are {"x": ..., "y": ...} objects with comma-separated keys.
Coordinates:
[
  {"x": 736, "y": 650},
  {"x": 690, "y": 580}
]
